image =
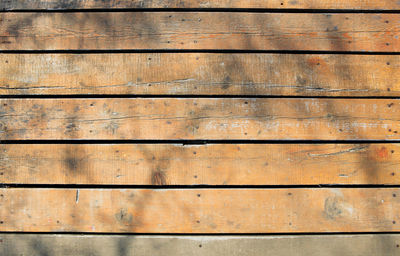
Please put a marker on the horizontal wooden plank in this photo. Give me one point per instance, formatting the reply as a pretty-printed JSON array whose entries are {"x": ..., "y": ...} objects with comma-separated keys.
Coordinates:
[
  {"x": 201, "y": 118},
  {"x": 213, "y": 164},
  {"x": 117, "y": 245},
  {"x": 276, "y": 4},
  {"x": 200, "y": 74},
  {"x": 200, "y": 30},
  {"x": 200, "y": 210}
]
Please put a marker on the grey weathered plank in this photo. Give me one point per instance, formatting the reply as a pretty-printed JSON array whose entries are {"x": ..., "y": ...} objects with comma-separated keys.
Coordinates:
[{"x": 124, "y": 245}]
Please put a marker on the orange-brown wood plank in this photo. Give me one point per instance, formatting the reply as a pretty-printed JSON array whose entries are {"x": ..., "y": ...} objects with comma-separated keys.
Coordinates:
[
  {"x": 276, "y": 4},
  {"x": 213, "y": 164},
  {"x": 201, "y": 210},
  {"x": 200, "y": 74},
  {"x": 200, "y": 30},
  {"x": 204, "y": 118}
]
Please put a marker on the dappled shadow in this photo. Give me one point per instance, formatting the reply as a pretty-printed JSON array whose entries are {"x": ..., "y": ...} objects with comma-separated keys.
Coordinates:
[{"x": 258, "y": 32}]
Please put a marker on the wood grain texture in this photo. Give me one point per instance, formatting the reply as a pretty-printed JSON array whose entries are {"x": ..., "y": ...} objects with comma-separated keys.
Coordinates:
[
  {"x": 276, "y": 4},
  {"x": 139, "y": 245},
  {"x": 200, "y": 210},
  {"x": 200, "y": 74},
  {"x": 200, "y": 30},
  {"x": 202, "y": 118},
  {"x": 213, "y": 164}
]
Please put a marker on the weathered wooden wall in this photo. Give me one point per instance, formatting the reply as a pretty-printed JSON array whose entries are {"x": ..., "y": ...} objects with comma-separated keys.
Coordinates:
[{"x": 197, "y": 127}]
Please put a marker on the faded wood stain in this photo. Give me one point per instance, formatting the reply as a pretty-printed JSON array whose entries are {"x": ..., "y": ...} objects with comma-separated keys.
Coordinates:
[{"x": 240, "y": 84}]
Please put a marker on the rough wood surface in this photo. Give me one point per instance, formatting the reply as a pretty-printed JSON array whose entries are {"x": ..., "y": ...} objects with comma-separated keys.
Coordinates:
[
  {"x": 202, "y": 118},
  {"x": 200, "y": 74},
  {"x": 118, "y": 245},
  {"x": 213, "y": 164},
  {"x": 200, "y": 30},
  {"x": 200, "y": 210},
  {"x": 276, "y": 4}
]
